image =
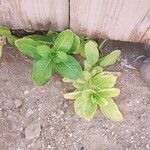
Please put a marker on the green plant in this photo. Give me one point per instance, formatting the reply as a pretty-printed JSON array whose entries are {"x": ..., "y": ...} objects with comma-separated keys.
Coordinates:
[
  {"x": 95, "y": 87},
  {"x": 51, "y": 53},
  {"x": 5, "y": 34}
]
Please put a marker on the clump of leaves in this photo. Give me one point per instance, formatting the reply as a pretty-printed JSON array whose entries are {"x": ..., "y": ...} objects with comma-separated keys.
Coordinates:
[
  {"x": 51, "y": 53},
  {"x": 5, "y": 34},
  {"x": 96, "y": 87}
]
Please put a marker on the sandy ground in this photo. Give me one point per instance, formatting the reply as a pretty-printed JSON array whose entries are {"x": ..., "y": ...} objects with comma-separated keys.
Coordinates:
[{"x": 56, "y": 127}]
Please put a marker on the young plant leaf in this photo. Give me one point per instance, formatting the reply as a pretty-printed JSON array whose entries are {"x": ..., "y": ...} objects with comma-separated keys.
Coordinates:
[
  {"x": 91, "y": 52},
  {"x": 109, "y": 59},
  {"x": 72, "y": 95},
  {"x": 43, "y": 50},
  {"x": 62, "y": 56},
  {"x": 78, "y": 106},
  {"x": 42, "y": 71},
  {"x": 104, "y": 81},
  {"x": 101, "y": 101},
  {"x": 70, "y": 69},
  {"x": 64, "y": 41},
  {"x": 40, "y": 38},
  {"x": 111, "y": 111},
  {"x": 112, "y": 92},
  {"x": 75, "y": 45},
  {"x": 89, "y": 109},
  {"x": 5, "y": 32},
  {"x": 28, "y": 47}
]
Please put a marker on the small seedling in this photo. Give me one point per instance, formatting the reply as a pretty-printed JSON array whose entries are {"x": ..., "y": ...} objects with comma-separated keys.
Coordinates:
[
  {"x": 51, "y": 53},
  {"x": 95, "y": 87},
  {"x": 5, "y": 34}
]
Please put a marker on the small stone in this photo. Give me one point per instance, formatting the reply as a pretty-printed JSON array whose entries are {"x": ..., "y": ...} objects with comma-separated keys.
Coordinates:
[
  {"x": 33, "y": 130},
  {"x": 18, "y": 103},
  {"x": 145, "y": 70},
  {"x": 147, "y": 146}
]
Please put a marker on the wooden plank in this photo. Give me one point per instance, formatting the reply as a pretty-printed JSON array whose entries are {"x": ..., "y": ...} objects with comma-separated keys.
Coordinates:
[
  {"x": 127, "y": 20},
  {"x": 35, "y": 14}
]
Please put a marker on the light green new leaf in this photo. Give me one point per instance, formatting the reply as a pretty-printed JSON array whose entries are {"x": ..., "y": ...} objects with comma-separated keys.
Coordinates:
[
  {"x": 62, "y": 56},
  {"x": 28, "y": 47},
  {"x": 96, "y": 70},
  {"x": 64, "y": 41},
  {"x": 78, "y": 106},
  {"x": 4, "y": 31},
  {"x": 70, "y": 69},
  {"x": 101, "y": 101},
  {"x": 78, "y": 85},
  {"x": 76, "y": 44},
  {"x": 85, "y": 108},
  {"x": 112, "y": 92},
  {"x": 111, "y": 111},
  {"x": 42, "y": 71},
  {"x": 89, "y": 109},
  {"x": 86, "y": 75},
  {"x": 91, "y": 53},
  {"x": 72, "y": 95},
  {"x": 104, "y": 81},
  {"x": 43, "y": 50},
  {"x": 110, "y": 59}
]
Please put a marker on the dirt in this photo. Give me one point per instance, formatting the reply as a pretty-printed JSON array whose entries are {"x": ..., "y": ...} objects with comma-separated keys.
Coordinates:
[{"x": 24, "y": 106}]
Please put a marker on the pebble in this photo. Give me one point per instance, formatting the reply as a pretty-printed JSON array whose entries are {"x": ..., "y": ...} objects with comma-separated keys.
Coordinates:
[
  {"x": 145, "y": 70},
  {"x": 33, "y": 130},
  {"x": 18, "y": 103}
]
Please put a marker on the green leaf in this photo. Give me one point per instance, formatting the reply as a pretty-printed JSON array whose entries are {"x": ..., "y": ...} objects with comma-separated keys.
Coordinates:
[
  {"x": 28, "y": 47},
  {"x": 104, "y": 81},
  {"x": 64, "y": 41},
  {"x": 4, "y": 31},
  {"x": 85, "y": 108},
  {"x": 109, "y": 59},
  {"x": 62, "y": 56},
  {"x": 40, "y": 38},
  {"x": 91, "y": 52},
  {"x": 42, "y": 71},
  {"x": 89, "y": 109},
  {"x": 52, "y": 35},
  {"x": 96, "y": 70},
  {"x": 87, "y": 75},
  {"x": 112, "y": 92},
  {"x": 11, "y": 39},
  {"x": 43, "y": 50},
  {"x": 101, "y": 101},
  {"x": 76, "y": 43},
  {"x": 78, "y": 85},
  {"x": 111, "y": 111},
  {"x": 70, "y": 69},
  {"x": 72, "y": 95}
]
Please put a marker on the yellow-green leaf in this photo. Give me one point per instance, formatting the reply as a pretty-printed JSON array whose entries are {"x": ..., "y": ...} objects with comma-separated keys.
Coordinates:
[
  {"x": 72, "y": 95},
  {"x": 111, "y": 111}
]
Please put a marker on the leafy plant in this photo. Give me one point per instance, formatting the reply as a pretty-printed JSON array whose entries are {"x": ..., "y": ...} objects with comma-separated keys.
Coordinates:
[
  {"x": 51, "y": 53},
  {"x": 96, "y": 87},
  {"x": 5, "y": 34}
]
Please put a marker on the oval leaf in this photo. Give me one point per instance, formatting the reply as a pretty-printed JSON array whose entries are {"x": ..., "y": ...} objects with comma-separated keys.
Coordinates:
[
  {"x": 28, "y": 47},
  {"x": 104, "y": 81},
  {"x": 109, "y": 92},
  {"x": 4, "y": 31},
  {"x": 42, "y": 71},
  {"x": 43, "y": 50},
  {"x": 111, "y": 111},
  {"x": 91, "y": 53},
  {"x": 70, "y": 69},
  {"x": 64, "y": 41},
  {"x": 72, "y": 95},
  {"x": 110, "y": 59}
]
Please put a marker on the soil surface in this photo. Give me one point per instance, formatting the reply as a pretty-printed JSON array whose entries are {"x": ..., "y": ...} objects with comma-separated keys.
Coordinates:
[{"x": 38, "y": 118}]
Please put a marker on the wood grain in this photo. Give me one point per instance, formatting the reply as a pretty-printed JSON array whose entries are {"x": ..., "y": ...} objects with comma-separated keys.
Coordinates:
[
  {"x": 126, "y": 20},
  {"x": 35, "y": 14}
]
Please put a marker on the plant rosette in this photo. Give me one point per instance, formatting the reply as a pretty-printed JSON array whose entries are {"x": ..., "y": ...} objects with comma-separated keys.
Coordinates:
[{"x": 96, "y": 87}]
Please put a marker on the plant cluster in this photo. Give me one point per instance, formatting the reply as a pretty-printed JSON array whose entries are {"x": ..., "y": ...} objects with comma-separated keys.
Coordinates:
[{"x": 51, "y": 53}]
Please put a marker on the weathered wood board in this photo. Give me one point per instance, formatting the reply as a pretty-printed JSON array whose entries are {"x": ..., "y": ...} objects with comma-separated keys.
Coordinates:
[
  {"x": 126, "y": 20},
  {"x": 35, "y": 14}
]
